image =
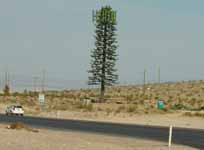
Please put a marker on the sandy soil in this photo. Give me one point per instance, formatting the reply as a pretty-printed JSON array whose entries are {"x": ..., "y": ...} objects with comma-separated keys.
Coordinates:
[{"x": 52, "y": 140}]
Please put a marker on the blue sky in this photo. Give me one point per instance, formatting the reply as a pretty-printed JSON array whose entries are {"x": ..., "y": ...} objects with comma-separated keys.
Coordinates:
[{"x": 57, "y": 35}]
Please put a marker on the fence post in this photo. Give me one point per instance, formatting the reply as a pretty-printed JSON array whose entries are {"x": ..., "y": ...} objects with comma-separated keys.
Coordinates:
[{"x": 170, "y": 136}]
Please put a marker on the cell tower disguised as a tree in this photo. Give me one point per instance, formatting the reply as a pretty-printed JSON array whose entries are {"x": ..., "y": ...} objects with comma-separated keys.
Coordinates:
[{"x": 104, "y": 56}]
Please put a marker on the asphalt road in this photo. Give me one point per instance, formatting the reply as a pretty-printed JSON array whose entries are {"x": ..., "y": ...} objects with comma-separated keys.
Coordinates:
[{"x": 189, "y": 137}]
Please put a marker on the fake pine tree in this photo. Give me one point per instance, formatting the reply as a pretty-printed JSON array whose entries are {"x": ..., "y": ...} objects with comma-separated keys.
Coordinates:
[{"x": 104, "y": 56}]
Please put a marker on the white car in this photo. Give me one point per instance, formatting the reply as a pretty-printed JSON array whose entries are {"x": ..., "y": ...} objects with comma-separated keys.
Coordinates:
[{"x": 14, "y": 110}]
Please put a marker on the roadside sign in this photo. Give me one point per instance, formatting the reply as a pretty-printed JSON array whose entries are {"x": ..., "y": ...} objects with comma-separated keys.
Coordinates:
[
  {"x": 41, "y": 99},
  {"x": 160, "y": 104}
]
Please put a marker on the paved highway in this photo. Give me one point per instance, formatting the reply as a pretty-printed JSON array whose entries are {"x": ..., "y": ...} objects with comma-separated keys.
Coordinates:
[{"x": 190, "y": 137}]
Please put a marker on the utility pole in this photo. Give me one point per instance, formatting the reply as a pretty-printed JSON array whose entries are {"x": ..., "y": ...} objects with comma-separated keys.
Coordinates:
[
  {"x": 42, "y": 94},
  {"x": 7, "y": 86},
  {"x": 145, "y": 73},
  {"x": 43, "y": 81},
  {"x": 144, "y": 84},
  {"x": 35, "y": 79},
  {"x": 7, "y": 77},
  {"x": 159, "y": 75}
]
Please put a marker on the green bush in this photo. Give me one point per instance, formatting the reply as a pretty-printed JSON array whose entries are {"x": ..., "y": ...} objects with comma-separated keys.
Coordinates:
[{"x": 178, "y": 107}]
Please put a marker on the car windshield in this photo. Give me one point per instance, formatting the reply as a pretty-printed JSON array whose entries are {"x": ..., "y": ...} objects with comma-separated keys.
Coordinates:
[{"x": 18, "y": 106}]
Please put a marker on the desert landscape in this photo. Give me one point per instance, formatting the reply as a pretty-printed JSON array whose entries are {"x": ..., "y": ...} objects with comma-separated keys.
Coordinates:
[
  {"x": 124, "y": 104},
  {"x": 105, "y": 75},
  {"x": 183, "y": 102}
]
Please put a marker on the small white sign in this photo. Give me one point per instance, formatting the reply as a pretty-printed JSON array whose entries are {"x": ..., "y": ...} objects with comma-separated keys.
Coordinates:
[{"x": 41, "y": 98}]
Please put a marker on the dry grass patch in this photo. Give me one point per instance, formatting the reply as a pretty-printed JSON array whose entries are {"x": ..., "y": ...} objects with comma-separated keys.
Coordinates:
[
  {"x": 194, "y": 114},
  {"x": 20, "y": 126},
  {"x": 127, "y": 99}
]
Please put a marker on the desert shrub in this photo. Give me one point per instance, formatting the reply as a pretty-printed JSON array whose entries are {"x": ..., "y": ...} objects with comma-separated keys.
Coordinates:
[
  {"x": 120, "y": 109},
  {"x": 107, "y": 97},
  {"x": 202, "y": 108},
  {"x": 78, "y": 105},
  {"x": 151, "y": 96},
  {"x": 188, "y": 114},
  {"x": 27, "y": 102},
  {"x": 165, "y": 110},
  {"x": 129, "y": 97},
  {"x": 108, "y": 111},
  {"x": 16, "y": 94},
  {"x": 197, "y": 109},
  {"x": 6, "y": 90},
  {"x": 178, "y": 94},
  {"x": 32, "y": 94},
  {"x": 60, "y": 107},
  {"x": 145, "y": 97},
  {"x": 10, "y": 100},
  {"x": 146, "y": 112},
  {"x": 99, "y": 109},
  {"x": 199, "y": 114},
  {"x": 141, "y": 102},
  {"x": 178, "y": 106},
  {"x": 92, "y": 94},
  {"x": 170, "y": 97},
  {"x": 135, "y": 102},
  {"x": 19, "y": 126},
  {"x": 193, "y": 101},
  {"x": 73, "y": 96},
  {"x": 196, "y": 114},
  {"x": 131, "y": 108},
  {"x": 152, "y": 106},
  {"x": 86, "y": 107}
]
